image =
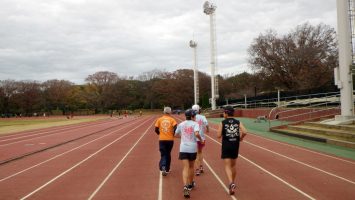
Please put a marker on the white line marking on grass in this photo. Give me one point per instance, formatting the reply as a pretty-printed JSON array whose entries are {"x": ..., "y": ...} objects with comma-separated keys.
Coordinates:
[
  {"x": 114, "y": 169},
  {"x": 219, "y": 180},
  {"x": 59, "y": 155},
  {"x": 302, "y": 163},
  {"x": 79, "y": 163},
  {"x": 160, "y": 190},
  {"x": 273, "y": 175}
]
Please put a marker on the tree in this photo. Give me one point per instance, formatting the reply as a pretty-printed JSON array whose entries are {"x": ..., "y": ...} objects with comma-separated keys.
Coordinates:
[
  {"x": 302, "y": 59},
  {"x": 29, "y": 96},
  {"x": 9, "y": 88},
  {"x": 100, "y": 87},
  {"x": 57, "y": 93}
]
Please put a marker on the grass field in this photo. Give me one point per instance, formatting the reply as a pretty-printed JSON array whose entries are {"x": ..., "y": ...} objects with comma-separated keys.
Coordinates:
[{"x": 16, "y": 125}]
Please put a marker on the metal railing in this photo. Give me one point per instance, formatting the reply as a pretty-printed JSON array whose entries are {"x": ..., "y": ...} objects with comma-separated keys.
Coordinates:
[
  {"x": 294, "y": 101},
  {"x": 284, "y": 118}
]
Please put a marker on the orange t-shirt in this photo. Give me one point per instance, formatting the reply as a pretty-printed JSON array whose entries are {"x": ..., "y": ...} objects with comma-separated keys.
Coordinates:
[{"x": 166, "y": 127}]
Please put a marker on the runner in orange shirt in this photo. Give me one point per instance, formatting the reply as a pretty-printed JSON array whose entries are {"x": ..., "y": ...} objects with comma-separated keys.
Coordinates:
[{"x": 165, "y": 127}]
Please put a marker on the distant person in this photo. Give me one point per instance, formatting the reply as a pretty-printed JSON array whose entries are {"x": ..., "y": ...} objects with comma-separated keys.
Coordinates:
[
  {"x": 188, "y": 130},
  {"x": 229, "y": 130},
  {"x": 203, "y": 125},
  {"x": 165, "y": 127}
]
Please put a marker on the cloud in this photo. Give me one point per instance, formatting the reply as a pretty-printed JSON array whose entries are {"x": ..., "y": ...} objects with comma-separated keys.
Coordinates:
[{"x": 71, "y": 39}]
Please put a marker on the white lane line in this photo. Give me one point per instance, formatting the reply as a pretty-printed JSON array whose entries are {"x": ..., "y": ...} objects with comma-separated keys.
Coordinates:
[
  {"x": 293, "y": 146},
  {"x": 300, "y": 148},
  {"x": 273, "y": 175},
  {"x": 280, "y": 179},
  {"x": 3, "y": 145},
  {"x": 160, "y": 190},
  {"x": 219, "y": 179},
  {"x": 41, "y": 133},
  {"x": 76, "y": 165},
  {"x": 302, "y": 163},
  {"x": 57, "y": 128},
  {"x": 299, "y": 162},
  {"x": 118, "y": 164},
  {"x": 59, "y": 155}
]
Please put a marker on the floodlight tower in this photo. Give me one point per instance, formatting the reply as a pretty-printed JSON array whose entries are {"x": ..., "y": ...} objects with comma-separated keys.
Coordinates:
[
  {"x": 209, "y": 9},
  {"x": 193, "y": 45},
  {"x": 343, "y": 75}
]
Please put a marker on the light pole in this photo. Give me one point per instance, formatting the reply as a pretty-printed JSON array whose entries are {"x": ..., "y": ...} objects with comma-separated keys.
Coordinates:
[
  {"x": 342, "y": 73},
  {"x": 209, "y": 9},
  {"x": 193, "y": 45},
  {"x": 245, "y": 101}
]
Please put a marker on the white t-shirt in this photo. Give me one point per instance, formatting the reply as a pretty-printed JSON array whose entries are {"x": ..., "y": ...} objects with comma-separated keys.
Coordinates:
[
  {"x": 187, "y": 131},
  {"x": 202, "y": 122}
]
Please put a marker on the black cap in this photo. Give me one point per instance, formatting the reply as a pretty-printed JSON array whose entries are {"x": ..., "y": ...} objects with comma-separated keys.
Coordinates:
[
  {"x": 190, "y": 113},
  {"x": 229, "y": 110}
]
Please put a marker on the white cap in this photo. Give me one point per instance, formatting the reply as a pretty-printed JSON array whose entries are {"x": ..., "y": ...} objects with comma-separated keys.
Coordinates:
[
  {"x": 167, "y": 110},
  {"x": 196, "y": 107}
]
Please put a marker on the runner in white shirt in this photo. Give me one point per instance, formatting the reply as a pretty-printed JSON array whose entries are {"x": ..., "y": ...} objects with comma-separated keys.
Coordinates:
[
  {"x": 188, "y": 130},
  {"x": 203, "y": 124}
]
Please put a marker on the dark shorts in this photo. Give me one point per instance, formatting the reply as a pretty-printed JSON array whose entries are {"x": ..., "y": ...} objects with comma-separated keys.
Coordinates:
[
  {"x": 200, "y": 145},
  {"x": 230, "y": 152},
  {"x": 187, "y": 156}
]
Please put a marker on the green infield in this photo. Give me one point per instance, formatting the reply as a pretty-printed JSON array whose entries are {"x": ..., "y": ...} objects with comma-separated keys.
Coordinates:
[
  {"x": 262, "y": 129},
  {"x": 16, "y": 125}
]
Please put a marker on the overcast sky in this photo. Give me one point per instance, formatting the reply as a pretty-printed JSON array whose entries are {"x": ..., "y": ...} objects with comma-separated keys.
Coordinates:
[{"x": 71, "y": 39}]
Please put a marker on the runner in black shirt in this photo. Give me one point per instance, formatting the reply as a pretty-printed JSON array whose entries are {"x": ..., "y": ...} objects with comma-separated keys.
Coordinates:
[{"x": 232, "y": 132}]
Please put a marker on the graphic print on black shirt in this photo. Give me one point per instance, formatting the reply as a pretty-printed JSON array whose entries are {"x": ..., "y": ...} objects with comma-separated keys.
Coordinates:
[{"x": 231, "y": 129}]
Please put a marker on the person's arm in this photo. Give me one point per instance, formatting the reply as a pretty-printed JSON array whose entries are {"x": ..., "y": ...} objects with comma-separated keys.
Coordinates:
[
  {"x": 243, "y": 131},
  {"x": 206, "y": 124},
  {"x": 219, "y": 131},
  {"x": 175, "y": 127},
  {"x": 157, "y": 130},
  {"x": 197, "y": 134},
  {"x": 157, "y": 123},
  {"x": 177, "y": 132}
]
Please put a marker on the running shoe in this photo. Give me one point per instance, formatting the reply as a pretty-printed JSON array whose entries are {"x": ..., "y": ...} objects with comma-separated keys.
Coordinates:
[
  {"x": 231, "y": 188},
  {"x": 197, "y": 172},
  {"x": 191, "y": 186},
  {"x": 163, "y": 171},
  {"x": 186, "y": 192}
]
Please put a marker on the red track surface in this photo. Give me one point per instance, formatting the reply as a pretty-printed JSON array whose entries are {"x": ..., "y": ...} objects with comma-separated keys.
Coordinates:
[{"x": 118, "y": 159}]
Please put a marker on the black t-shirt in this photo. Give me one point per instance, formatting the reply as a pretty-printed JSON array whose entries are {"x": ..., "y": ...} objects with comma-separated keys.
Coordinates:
[{"x": 230, "y": 131}]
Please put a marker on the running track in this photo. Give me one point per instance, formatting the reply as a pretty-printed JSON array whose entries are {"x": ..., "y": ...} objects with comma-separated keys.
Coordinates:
[{"x": 117, "y": 159}]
